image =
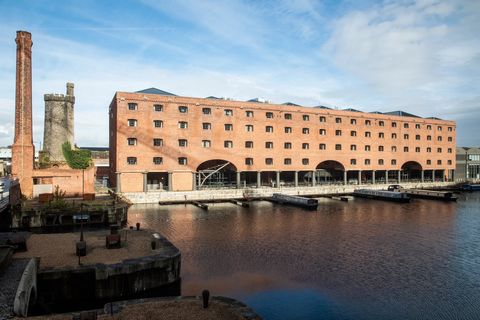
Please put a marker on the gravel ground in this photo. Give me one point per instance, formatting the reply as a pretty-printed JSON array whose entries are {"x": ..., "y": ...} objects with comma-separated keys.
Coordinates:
[
  {"x": 9, "y": 280},
  {"x": 58, "y": 250}
]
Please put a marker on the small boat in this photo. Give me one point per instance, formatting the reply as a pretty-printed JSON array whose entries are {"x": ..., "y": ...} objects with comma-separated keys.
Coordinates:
[
  {"x": 471, "y": 187},
  {"x": 295, "y": 200},
  {"x": 395, "y": 196},
  {"x": 431, "y": 194}
]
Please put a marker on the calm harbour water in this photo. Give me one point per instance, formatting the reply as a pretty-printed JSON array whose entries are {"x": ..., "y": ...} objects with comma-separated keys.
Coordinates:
[{"x": 363, "y": 259}]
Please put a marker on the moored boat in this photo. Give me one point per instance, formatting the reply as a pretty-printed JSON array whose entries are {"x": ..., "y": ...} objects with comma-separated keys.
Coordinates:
[
  {"x": 382, "y": 195},
  {"x": 295, "y": 200}
]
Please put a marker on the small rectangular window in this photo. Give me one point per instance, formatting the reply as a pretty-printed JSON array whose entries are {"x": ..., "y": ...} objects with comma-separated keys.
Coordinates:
[
  {"x": 305, "y": 161},
  {"x": 405, "y": 125},
  {"x": 269, "y": 145},
  {"x": 368, "y": 134},
  {"x": 248, "y": 144},
  {"x": 157, "y": 107},
  {"x": 132, "y": 141},
  {"x": 305, "y": 130},
  {"x": 287, "y": 161},
  {"x": 132, "y": 106},
  {"x": 439, "y": 150},
  {"x": 394, "y": 149},
  {"x": 228, "y": 144},
  {"x": 288, "y": 129},
  {"x": 206, "y": 111},
  {"x": 322, "y": 146},
  {"x": 182, "y": 161},
  {"x": 249, "y": 128},
  {"x": 322, "y": 119},
  {"x": 353, "y": 147},
  {"x": 269, "y": 115},
  {"x": 305, "y": 146},
  {"x": 249, "y": 161},
  {"x": 380, "y": 162},
  {"x": 381, "y": 123},
  {"x": 269, "y": 129},
  {"x": 381, "y": 135},
  {"x": 439, "y": 128},
  {"x": 417, "y": 149},
  {"x": 429, "y": 127},
  {"x": 228, "y": 127},
  {"x": 417, "y": 137},
  {"x": 183, "y": 109},
  {"x": 132, "y": 122},
  {"x": 338, "y": 120},
  {"x": 393, "y": 162},
  {"x": 157, "y": 142},
  {"x": 338, "y": 132},
  {"x": 249, "y": 114},
  {"x": 132, "y": 160},
  {"x": 417, "y": 126},
  {"x": 429, "y": 161},
  {"x": 157, "y": 160},
  {"x": 353, "y": 162},
  {"x": 158, "y": 123},
  {"x": 287, "y": 145},
  {"x": 322, "y": 132},
  {"x": 394, "y": 124},
  {"x": 206, "y": 143},
  {"x": 380, "y": 148},
  {"x": 228, "y": 112},
  {"x": 367, "y": 162},
  {"x": 338, "y": 147},
  {"x": 394, "y": 136},
  {"x": 450, "y": 129},
  {"x": 206, "y": 126},
  {"x": 367, "y": 148},
  {"x": 353, "y": 133},
  {"x": 306, "y": 117},
  {"x": 353, "y": 121},
  {"x": 182, "y": 125},
  {"x": 288, "y": 116},
  {"x": 182, "y": 142},
  {"x": 429, "y": 138},
  {"x": 269, "y": 161},
  {"x": 405, "y": 149},
  {"x": 368, "y": 122},
  {"x": 405, "y": 136}
]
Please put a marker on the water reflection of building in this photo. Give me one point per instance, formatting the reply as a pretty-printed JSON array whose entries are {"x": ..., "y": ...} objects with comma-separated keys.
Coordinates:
[
  {"x": 162, "y": 141},
  {"x": 468, "y": 163}
]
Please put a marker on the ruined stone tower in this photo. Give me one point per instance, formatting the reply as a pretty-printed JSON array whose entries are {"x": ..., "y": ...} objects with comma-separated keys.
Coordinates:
[
  {"x": 23, "y": 149},
  {"x": 58, "y": 127}
]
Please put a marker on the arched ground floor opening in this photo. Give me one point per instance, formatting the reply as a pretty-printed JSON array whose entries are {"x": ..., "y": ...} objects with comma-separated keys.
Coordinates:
[{"x": 216, "y": 174}]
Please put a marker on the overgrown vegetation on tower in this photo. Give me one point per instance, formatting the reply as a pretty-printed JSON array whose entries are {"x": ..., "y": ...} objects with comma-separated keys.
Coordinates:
[{"x": 76, "y": 158}]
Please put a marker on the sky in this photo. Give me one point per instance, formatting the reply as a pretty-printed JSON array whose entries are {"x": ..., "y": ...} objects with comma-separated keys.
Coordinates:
[{"x": 419, "y": 56}]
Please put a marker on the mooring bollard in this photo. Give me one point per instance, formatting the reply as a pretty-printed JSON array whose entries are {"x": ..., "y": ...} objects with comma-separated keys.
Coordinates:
[
  {"x": 138, "y": 226},
  {"x": 205, "y": 296}
]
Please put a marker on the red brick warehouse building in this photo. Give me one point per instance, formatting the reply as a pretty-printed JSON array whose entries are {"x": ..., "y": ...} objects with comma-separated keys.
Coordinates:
[{"x": 160, "y": 141}]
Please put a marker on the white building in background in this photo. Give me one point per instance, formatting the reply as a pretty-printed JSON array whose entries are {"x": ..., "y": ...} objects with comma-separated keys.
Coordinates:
[{"x": 6, "y": 160}]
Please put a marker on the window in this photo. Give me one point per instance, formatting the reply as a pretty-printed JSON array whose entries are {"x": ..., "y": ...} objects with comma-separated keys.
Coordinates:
[
  {"x": 158, "y": 123},
  {"x": 228, "y": 112},
  {"x": 353, "y": 133},
  {"x": 157, "y": 142},
  {"x": 322, "y": 119},
  {"x": 449, "y": 161},
  {"x": 132, "y": 160},
  {"x": 439, "y": 138},
  {"x": 338, "y": 132},
  {"x": 182, "y": 142},
  {"x": 393, "y": 162},
  {"x": 338, "y": 120},
  {"x": 132, "y": 141},
  {"x": 287, "y": 161},
  {"x": 248, "y": 144},
  {"x": 367, "y": 162},
  {"x": 269, "y": 145},
  {"x": 439, "y": 128},
  {"x": 417, "y": 126},
  {"x": 381, "y": 123},
  {"x": 394, "y": 136},
  {"x": 439, "y": 150},
  {"x": 269, "y": 129},
  {"x": 288, "y": 129},
  {"x": 429, "y": 127},
  {"x": 449, "y": 150},
  {"x": 183, "y": 109},
  {"x": 381, "y": 135},
  {"x": 249, "y": 127},
  {"x": 228, "y": 144},
  {"x": 206, "y": 111},
  {"x": 182, "y": 161},
  {"x": 367, "y": 148},
  {"x": 353, "y": 162},
  {"x": 249, "y": 114},
  {"x": 450, "y": 129},
  {"x": 450, "y": 139},
  {"x": 268, "y": 161},
  {"x": 367, "y": 134},
  {"x": 353, "y": 147},
  {"x": 380, "y": 162},
  {"x": 305, "y": 146},
  {"x": 287, "y": 145},
  {"x": 405, "y": 125},
  {"x": 228, "y": 127},
  {"x": 288, "y": 116},
  {"x": 157, "y": 160},
  {"x": 322, "y": 132},
  {"x": 305, "y": 130},
  {"x": 429, "y": 138},
  {"x": 380, "y": 148},
  {"x": 417, "y": 137},
  {"x": 322, "y": 146},
  {"x": 417, "y": 149},
  {"x": 439, "y": 161},
  {"x": 157, "y": 107},
  {"x": 353, "y": 121},
  {"x": 429, "y": 149},
  {"x": 249, "y": 161},
  {"x": 305, "y": 161},
  {"x": 132, "y": 122},
  {"x": 206, "y": 126},
  {"x": 206, "y": 143},
  {"x": 429, "y": 161},
  {"x": 132, "y": 106},
  {"x": 368, "y": 122},
  {"x": 338, "y": 147},
  {"x": 306, "y": 117},
  {"x": 405, "y": 136},
  {"x": 182, "y": 124},
  {"x": 394, "y": 149},
  {"x": 405, "y": 149},
  {"x": 394, "y": 124},
  {"x": 269, "y": 115}
]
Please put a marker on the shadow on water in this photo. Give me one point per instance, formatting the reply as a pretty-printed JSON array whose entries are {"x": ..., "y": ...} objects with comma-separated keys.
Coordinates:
[{"x": 363, "y": 259}]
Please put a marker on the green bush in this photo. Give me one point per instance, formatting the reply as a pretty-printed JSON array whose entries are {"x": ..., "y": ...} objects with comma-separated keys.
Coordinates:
[{"x": 76, "y": 159}]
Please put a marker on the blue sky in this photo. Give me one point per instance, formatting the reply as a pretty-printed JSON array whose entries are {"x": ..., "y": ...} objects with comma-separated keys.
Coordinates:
[{"x": 419, "y": 56}]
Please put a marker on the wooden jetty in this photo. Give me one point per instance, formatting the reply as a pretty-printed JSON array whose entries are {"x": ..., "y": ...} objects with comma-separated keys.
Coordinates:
[
  {"x": 240, "y": 203},
  {"x": 295, "y": 200},
  {"x": 200, "y": 205},
  {"x": 382, "y": 195}
]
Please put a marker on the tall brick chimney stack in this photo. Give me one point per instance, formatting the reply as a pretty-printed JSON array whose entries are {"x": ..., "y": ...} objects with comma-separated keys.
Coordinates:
[{"x": 23, "y": 150}]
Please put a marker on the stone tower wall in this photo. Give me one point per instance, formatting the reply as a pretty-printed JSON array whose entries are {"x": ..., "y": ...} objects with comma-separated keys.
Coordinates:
[{"x": 58, "y": 127}]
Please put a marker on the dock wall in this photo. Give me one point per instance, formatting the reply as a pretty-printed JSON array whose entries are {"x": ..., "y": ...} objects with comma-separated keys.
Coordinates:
[{"x": 225, "y": 194}]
